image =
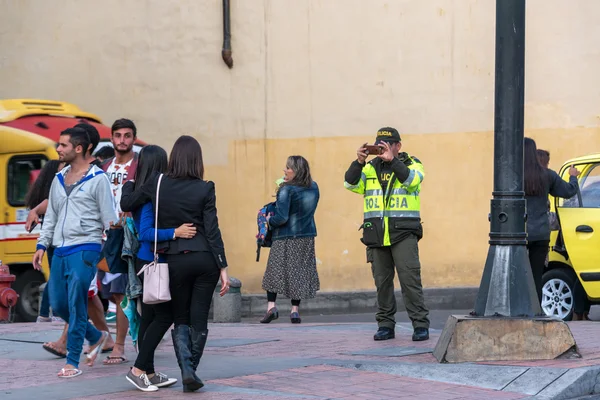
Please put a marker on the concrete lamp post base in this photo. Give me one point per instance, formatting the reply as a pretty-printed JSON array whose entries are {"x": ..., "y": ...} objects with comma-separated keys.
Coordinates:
[
  {"x": 470, "y": 339},
  {"x": 505, "y": 325}
]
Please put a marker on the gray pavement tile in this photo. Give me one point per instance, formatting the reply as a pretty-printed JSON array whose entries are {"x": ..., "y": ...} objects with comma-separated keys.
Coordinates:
[
  {"x": 575, "y": 382},
  {"x": 393, "y": 351},
  {"x": 534, "y": 380},
  {"x": 485, "y": 376},
  {"x": 324, "y": 327},
  {"x": 24, "y": 351},
  {"x": 34, "y": 337},
  {"x": 211, "y": 367},
  {"x": 236, "y": 342}
]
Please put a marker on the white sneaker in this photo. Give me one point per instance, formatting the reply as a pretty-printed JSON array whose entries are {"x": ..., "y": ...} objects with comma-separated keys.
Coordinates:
[
  {"x": 141, "y": 382},
  {"x": 161, "y": 380}
]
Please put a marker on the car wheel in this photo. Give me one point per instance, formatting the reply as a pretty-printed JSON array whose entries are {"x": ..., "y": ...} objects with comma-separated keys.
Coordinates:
[
  {"x": 27, "y": 286},
  {"x": 557, "y": 293}
]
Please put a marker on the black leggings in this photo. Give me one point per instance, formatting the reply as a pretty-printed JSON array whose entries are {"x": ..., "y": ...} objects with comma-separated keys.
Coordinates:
[
  {"x": 538, "y": 250},
  {"x": 193, "y": 278},
  {"x": 155, "y": 322},
  {"x": 273, "y": 296}
]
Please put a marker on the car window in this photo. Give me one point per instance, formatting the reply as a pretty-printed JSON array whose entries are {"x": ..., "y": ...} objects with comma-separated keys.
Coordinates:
[
  {"x": 19, "y": 172},
  {"x": 589, "y": 184}
]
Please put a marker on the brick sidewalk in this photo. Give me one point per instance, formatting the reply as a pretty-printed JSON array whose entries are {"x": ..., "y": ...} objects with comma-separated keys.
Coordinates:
[{"x": 284, "y": 361}]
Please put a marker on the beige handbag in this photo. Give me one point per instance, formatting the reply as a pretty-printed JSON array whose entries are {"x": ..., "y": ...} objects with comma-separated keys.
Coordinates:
[{"x": 156, "y": 275}]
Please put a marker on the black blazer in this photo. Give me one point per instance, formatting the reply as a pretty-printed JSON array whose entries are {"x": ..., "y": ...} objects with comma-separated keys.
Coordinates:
[{"x": 181, "y": 201}]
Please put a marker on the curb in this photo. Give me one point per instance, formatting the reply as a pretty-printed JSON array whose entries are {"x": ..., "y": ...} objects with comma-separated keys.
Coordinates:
[
  {"x": 575, "y": 383},
  {"x": 461, "y": 298}
]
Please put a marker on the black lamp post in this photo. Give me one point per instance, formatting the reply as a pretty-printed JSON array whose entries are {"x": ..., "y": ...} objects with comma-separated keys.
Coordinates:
[{"x": 507, "y": 287}]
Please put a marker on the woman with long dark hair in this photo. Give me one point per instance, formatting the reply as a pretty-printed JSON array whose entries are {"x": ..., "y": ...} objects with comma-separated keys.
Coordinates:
[
  {"x": 195, "y": 264},
  {"x": 156, "y": 318},
  {"x": 292, "y": 267},
  {"x": 539, "y": 182},
  {"x": 39, "y": 191}
]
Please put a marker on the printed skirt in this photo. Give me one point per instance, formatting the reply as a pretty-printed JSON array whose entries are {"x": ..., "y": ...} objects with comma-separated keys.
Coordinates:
[{"x": 292, "y": 269}]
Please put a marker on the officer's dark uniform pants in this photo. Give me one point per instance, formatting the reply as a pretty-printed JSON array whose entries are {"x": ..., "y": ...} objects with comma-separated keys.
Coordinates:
[{"x": 403, "y": 256}]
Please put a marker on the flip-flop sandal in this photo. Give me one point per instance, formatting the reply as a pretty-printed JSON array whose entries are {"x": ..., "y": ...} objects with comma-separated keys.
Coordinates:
[
  {"x": 54, "y": 351},
  {"x": 66, "y": 375},
  {"x": 109, "y": 350},
  {"x": 108, "y": 360},
  {"x": 94, "y": 353}
]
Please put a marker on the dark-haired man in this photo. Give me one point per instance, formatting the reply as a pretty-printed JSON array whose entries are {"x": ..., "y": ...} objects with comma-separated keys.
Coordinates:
[
  {"x": 94, "y": 138},
  {"x": 95, "y": 308},
  {"x": 119, "y": 169},
  {"x": 80, "y": 203}
]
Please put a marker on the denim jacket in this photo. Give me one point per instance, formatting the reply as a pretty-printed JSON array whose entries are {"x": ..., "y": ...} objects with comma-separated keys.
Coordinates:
[{"x": 295, "y": 212}]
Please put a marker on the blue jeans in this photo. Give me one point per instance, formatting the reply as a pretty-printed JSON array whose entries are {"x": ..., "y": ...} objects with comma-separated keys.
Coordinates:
[
  {"x": 70, "y": 279},
  {"x": 45, "y": 306}
]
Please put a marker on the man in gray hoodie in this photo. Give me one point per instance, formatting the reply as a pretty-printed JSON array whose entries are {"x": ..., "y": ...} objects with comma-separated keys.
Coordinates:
[{"x": 80, "y": 208}]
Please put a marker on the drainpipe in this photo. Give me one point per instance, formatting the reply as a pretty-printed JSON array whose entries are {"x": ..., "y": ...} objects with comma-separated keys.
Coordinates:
[{"x": 226, "y": 52}]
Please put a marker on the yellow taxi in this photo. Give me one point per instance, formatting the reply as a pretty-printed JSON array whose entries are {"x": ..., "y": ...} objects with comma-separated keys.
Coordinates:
[
  {"x": 575, "y": 247},
  {"x": 22, "y": 155}
]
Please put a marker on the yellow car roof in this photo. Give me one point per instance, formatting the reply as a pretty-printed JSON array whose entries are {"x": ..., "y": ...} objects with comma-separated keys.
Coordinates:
[
  {"x": 583, "y": 159},
  {"x": 16, "y": 108},
  {"x": 19, "y": 141}
]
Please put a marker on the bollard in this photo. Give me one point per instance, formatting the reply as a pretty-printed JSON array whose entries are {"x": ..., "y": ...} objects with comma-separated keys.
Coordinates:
[{"x": 229, "y": 307}]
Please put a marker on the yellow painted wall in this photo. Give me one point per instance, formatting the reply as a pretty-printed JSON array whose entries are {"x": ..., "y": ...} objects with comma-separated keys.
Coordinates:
[{"x": 318, "y": 78}]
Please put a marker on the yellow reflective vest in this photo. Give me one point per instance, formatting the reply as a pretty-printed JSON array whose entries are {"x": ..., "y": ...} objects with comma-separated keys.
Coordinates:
[{"x": 389, "y": 216}]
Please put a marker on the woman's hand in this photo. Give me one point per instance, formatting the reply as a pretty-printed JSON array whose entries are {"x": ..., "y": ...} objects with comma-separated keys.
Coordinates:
[
  {"x": 185, "y": 231},
  {"x": 224, "y": 282}
]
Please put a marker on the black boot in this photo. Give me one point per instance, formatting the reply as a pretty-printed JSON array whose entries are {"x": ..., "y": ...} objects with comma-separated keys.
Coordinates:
[
  {"x": 183, "y": 352},
  {"x": 198, "y": 344}
]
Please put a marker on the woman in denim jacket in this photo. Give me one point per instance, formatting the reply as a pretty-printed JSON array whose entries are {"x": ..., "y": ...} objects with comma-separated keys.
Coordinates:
[{"x": 292, "y": 267}]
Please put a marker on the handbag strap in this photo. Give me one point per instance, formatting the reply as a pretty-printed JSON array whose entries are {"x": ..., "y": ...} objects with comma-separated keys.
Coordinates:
[{"x": 156, "y": 217}]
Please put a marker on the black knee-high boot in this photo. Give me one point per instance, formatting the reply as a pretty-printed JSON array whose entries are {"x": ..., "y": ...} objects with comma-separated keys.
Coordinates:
[
  {"x": 198, "y": 344},
  {"x": 183, "y": 351}
]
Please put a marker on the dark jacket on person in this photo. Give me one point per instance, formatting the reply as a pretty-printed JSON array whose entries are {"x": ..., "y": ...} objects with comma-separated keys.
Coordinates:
[
  {"x": 182, "y": 201},
  {"x": 295, "y": 212},
  {"x": 538, "y": 226}
]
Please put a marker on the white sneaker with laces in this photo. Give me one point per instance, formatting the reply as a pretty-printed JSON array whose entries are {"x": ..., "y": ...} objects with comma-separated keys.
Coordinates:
[
  {"x": 161, "y": 380},
  {"x": 141, "y": 382}
]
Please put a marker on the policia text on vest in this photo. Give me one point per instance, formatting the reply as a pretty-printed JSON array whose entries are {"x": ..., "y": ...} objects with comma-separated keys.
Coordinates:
[
  {"x": 391, "y": 229},
  {"x": 392, "y": 214}
]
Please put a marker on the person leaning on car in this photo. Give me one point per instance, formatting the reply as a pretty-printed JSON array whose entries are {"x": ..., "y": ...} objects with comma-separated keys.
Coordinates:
[{"x": 390, "y": 184}]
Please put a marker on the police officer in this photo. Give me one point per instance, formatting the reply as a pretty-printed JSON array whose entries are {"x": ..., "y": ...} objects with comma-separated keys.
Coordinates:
[{"x": 390, "y": 184}]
